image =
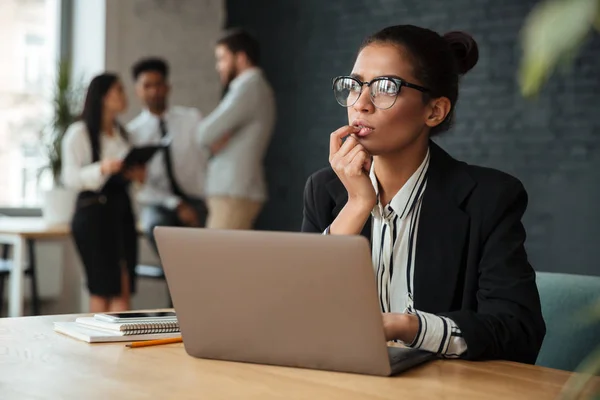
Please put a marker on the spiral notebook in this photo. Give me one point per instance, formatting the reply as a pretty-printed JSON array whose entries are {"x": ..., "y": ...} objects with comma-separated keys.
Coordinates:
[
  {"x": 97, "y": 335},
  {"x": 131, "y": 328}
]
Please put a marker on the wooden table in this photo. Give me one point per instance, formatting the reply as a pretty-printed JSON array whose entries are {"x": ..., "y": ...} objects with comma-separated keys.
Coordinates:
[
  {"x": 37, "y": 363},
  {"x": 18, "y": 232}
]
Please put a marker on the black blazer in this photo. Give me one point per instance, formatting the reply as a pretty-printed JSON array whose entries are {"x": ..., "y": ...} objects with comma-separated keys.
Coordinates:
[{"x": 471, "y": 264}]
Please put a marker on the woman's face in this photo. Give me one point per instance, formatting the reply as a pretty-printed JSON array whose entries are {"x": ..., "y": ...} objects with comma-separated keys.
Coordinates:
[
  {"x": 398, "y": 127},
  {"x": 115, "y": 100}
]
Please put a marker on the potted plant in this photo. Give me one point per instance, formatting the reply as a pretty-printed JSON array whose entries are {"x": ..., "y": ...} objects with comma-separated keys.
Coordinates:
[{"x": 58, "y": 201}]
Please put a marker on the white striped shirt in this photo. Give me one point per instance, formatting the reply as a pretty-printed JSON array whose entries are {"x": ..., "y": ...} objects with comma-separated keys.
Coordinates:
[{"x": 394, "y": 239}]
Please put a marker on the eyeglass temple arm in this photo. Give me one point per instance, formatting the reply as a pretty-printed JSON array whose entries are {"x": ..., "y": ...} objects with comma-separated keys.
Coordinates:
[{"x": 412, "y": 85}]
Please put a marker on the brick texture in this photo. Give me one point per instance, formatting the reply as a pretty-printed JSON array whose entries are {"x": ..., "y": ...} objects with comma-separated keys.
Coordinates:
[{"x": 551, "y": 144}]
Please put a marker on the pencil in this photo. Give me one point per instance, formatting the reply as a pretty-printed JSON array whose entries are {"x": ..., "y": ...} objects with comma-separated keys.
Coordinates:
[{"x": 145, "y": 343}]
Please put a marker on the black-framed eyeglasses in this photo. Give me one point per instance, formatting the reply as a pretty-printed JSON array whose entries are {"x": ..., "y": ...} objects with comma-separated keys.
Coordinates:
[{"x": 383, "y": 90}]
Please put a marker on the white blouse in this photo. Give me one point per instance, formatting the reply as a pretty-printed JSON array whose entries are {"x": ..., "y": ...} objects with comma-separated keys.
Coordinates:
[
  {"x": 78, "y": 171},
  {"x": 394, "y": 246}
]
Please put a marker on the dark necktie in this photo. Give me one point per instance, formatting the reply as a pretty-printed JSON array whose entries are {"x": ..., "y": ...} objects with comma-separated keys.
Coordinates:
[{"x": 175, "y": 188}]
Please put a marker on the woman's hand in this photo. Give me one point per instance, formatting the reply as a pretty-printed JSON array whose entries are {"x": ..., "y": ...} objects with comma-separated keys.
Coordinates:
[
  {"x": 216, "y": 147},
  {"x": 110, "y": 166},
  {"x": 402, "y": 327},
  {"x": 187, "y": 215},
  {"x": 352, "y": 163},
  {"x": 136, "y": 173}
]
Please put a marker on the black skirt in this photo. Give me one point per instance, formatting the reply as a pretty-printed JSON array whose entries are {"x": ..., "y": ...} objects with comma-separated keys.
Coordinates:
[{"x": 104, "y": 231}]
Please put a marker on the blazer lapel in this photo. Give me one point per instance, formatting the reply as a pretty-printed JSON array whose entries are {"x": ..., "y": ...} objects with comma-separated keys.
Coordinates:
[{"x": 443, "y": 230}]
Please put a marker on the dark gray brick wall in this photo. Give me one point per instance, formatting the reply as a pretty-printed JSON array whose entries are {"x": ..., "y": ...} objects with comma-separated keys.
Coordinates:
[{"x": 551, "y": 144}]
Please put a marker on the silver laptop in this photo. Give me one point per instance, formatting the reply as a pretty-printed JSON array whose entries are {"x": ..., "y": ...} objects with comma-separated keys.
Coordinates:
[{"x": 288, "y": 299}]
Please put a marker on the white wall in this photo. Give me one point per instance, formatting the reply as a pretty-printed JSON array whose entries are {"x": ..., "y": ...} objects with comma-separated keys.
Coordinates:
[
  {"x": 181, "y": 31},
  {"x": 111, "y": 35}
]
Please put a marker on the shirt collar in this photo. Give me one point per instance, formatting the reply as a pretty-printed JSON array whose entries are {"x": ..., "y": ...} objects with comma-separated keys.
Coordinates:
[
  {"x": 403, "y": 201},
  {"x": 153, "y": 117}
]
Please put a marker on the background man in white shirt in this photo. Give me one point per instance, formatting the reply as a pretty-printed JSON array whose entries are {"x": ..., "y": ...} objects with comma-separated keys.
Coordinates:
[
  {"x": 236, "y": 187},
  {"x": 173, "y": 193}
]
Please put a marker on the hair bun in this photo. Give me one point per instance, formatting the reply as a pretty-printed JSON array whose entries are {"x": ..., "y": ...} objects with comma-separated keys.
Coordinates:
[{"x": 464, "y": 48}]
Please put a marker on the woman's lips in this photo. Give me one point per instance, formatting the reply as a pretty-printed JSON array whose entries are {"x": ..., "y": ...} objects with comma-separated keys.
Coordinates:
[
  {"x": 364, "y": 131},
  {"x": 364, "y": 128}
]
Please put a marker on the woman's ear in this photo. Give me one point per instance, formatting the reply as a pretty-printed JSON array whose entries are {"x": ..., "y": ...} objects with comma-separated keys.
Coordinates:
[{"x": 439, "y": 109}]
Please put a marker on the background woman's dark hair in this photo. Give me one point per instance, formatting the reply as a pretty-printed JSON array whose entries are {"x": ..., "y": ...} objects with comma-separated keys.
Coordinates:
[
  {"x": 93, "y": 107},
  {"x": 438, "y": 60},
  {"x": 237, "y": 40}
]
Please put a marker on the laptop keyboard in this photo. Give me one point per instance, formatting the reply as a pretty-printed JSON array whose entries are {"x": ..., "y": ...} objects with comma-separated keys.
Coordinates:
[
  {"x": 398, "y": 354},
  {"x": 403, "y": 358}
]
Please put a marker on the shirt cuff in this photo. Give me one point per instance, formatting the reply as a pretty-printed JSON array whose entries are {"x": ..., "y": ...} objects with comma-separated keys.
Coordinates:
[
  {"x": 326, "y": 231},
  {"x": 91, "y": 176},
  {"x": 171, "y": 202},
  {"x": 438, "y": 335}
]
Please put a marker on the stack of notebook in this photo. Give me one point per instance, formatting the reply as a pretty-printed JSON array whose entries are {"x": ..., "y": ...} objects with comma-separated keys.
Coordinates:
[{"x": 95, "y": 329}]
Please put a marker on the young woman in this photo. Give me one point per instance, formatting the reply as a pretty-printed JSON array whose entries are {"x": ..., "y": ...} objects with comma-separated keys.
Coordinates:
[
  {"x": 447, "y": 239},
  {"x": 103, "y": 226}
]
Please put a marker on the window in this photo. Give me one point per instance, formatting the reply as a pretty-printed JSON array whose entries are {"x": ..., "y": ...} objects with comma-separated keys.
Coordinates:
[
  {"x": 29, "y": 33},
  {"x": 33, "y": 64}
]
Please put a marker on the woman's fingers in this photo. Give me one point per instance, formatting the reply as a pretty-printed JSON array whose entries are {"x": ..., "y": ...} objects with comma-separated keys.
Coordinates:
[
  {"x": 345, "y": 154},
  {"x": 350, "y": 144},
  {"x": 349, "y": 156},
  {"x": 351, "y": 163},
  {"x": 355, "y": 166},
  {"x": 117, "y": 165},
  {"x": 336, "y": 138}
]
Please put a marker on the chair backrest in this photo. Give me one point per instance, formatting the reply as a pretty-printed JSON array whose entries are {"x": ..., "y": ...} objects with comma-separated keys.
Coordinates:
[{"x": 569, "y": 336}]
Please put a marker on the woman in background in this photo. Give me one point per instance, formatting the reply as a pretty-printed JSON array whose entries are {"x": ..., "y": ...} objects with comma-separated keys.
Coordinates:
[{"x": 103, "y": 225}]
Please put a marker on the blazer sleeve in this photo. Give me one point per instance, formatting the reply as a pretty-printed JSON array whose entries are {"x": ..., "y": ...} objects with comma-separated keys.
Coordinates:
[
  {"x": 310, "y": 221},
  {"x": 234, "y": 110},
  {"x": 508, "y": 323}
]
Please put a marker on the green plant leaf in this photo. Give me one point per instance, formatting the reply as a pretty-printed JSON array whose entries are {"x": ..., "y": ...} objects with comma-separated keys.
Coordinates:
[
  {"x": 577, "y": 383},
  {"x": 552, "y": 34},
  {"x": 594, "y": 312},
  {"x": 588, "y": 315},
  {"x": 65, "y": 101}
]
